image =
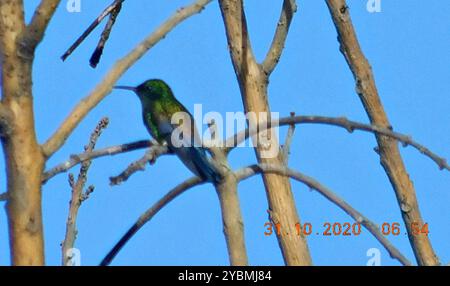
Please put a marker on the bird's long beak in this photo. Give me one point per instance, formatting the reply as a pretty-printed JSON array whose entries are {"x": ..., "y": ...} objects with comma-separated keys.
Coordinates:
[{"x": 132, "y": 88}]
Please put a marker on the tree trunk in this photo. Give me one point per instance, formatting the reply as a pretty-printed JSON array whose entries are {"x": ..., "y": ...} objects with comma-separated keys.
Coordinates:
[
  {"x": 24, "y": 166},
  {"x": 23, "y": 156},
  {"x": 253, "y": 84}
]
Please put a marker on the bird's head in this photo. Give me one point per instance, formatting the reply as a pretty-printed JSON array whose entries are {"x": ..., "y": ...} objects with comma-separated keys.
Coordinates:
[{"x": 150, "y": 90}]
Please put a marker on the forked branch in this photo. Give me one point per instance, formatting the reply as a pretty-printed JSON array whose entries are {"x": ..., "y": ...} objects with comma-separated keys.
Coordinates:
[
  {"x": 112, "y": 9},
  {"x": 34, "y": 32}
]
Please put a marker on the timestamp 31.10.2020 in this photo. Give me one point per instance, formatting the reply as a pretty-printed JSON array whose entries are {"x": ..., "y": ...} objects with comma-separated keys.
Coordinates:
[{"x": 345, "y": 229}]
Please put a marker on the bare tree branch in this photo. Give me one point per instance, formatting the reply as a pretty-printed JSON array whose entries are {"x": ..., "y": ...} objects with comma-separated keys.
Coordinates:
[
  {"x": 315, "y": 185},
  {"x": 148, "y": 215},
  {"x": 34, "y": 32},
  {"x": 78, "y": 196},
  {"x": 150, "y": 156},
  {"x": 108, "y": 10},
  {"x": 343, "y": 122},
  {"x": 279, "y": 39},
  {"x": 232, "y": 222},
  {"x": 108, "y": 151},
  {"x": 243, "y": 174},
  {"x": 55, "y": 142},
  {"x": 95, "y": 58},
  {"x": 390, "y": 157},
  {"x": 241, "y": 136},
  {"x": 237, "y": 33}
]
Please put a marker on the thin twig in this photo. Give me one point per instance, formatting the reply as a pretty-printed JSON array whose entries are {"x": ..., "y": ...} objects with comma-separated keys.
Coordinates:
[
  {"x": 108, "y": 10},
  {"x": 343, "y": 122},
  {"x": 149, "y": 214},
  {"x": 58, "y": 138},
  {"x": 150, "y": 156},
  {"x": 78, "y": 196},
  {"x": 95, "y": 58},
  {"x": 108, "y": 151},
  {"x": 288, "y": 141}
]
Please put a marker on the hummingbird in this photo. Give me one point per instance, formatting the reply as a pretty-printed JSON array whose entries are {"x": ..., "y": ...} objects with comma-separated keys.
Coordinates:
[{"x": 159, "y": 107}]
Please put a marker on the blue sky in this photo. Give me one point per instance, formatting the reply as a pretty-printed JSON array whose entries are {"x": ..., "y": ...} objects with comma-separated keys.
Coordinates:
[{"x": 407, "y": 46}]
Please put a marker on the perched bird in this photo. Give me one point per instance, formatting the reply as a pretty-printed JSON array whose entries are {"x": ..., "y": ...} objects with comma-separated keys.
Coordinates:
[{"x": 159, "y": 105}]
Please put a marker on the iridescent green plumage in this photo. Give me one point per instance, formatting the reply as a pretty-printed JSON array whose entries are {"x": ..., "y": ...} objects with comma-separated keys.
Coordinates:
[{"x": 159, "y": 107}]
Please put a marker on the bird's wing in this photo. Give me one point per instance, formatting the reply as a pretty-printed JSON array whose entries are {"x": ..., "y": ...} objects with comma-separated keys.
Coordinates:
[
  {"x": 197, "y": 140},
  {"x": 183, "y": 138},
  {"x": 184, "y": 126},
  {"x": 152, "y": 127}
]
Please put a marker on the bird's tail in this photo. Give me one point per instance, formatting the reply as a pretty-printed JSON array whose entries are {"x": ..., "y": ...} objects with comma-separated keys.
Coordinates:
[{"x": 205, "y": 168}]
